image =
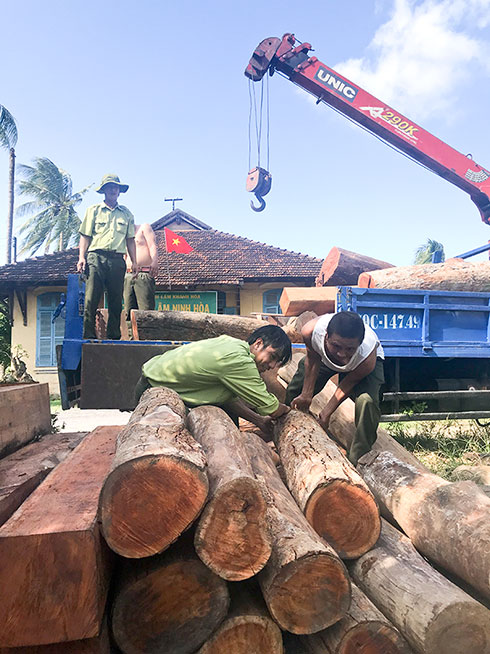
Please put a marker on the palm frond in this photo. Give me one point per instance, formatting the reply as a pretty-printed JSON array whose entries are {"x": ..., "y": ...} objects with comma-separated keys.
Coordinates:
[{"x": 8, "y": 129}]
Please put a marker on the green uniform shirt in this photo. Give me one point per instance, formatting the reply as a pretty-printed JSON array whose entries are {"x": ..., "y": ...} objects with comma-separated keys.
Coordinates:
[
  {"x": 212, "y": 371},
  {"x": 108, "y": 228}
]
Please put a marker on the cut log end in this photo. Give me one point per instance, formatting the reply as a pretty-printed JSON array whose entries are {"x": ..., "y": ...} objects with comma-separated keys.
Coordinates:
[
  {"x": 346, "y": 516},
  {"x": 243, "y": 635},
  {"x": 451, "y": 634},
  {"x": 373, "y": 638},
  {"x": 178, "y": 490},
  {"x": 322, "y": 578},
  {"x": 235, "y": 523}
]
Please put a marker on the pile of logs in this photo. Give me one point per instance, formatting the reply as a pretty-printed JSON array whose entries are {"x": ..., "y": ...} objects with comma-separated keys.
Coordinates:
[{"x": 178, "y": 534}]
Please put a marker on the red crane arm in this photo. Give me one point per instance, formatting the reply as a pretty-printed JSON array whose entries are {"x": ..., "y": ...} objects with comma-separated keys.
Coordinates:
[{"x": 393, "y": 127}]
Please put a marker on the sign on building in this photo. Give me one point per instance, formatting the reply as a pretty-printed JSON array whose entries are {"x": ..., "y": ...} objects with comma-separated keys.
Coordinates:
[{"x": 205, "y": 302}]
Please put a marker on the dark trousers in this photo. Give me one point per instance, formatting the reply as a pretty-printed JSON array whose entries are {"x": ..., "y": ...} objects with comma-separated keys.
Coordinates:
[
  {"x": 106, "y": 273},
  {"x": 365, "y": 395},
  {"x": 139, "y": 293}
]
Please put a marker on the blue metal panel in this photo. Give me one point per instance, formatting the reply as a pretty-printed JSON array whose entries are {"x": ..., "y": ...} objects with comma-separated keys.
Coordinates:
[
  {"x": 415, "y": 323},
  {"x": 71, "y": 352}
]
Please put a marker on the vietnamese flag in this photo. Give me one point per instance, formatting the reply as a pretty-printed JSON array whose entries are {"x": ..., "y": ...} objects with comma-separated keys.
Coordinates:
[{"x": 176, "y": 243}]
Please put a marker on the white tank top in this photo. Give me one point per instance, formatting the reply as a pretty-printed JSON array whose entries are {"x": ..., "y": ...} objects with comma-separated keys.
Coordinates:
[{"x": 363, "y": 351}]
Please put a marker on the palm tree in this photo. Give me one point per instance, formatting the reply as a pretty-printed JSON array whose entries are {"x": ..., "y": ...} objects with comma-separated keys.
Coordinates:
[
  {"x": 423, "y": 254},
  {"x": 53, "y": 218},
  {"x": 8, "y": 140}
]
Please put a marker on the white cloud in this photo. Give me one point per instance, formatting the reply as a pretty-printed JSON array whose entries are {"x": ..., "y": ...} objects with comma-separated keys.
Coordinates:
[{"x": 420, "y": 58}]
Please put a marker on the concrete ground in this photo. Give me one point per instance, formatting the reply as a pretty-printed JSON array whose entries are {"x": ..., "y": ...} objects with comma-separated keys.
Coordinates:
[{"x": 76, "y": 419}]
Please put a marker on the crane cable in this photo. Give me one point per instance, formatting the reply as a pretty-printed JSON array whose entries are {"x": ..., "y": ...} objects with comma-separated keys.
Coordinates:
[{"x": 255, "y": 120}]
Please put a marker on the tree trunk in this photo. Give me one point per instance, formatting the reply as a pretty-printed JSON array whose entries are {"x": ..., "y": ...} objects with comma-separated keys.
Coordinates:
[
  {"x": 11, "y": 192},
  {"x": 305, "y": 584},
  {"x": 334, "y": 498},
  {"x": 362, "y": 629},
  {"x": 54, "y": 566},
  {"x": 296, "y": 300},
  {"x": 453, "y": 275},
  {"x": 189, "y": 326},
  {"x": 98, "y": 645},
  {"x": 23, "y": 471},
  {"x": 232, "y": 537},
  {"x": 167, "y": 604},
  {"x": 342, "y": 267},
  {"x": 248, "y": 628},
  {"x": 158, "y": 484},
  {"x": 433, "y": 614}
]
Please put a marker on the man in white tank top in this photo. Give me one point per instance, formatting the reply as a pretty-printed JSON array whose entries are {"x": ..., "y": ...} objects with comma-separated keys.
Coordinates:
[{"x": 341, "y": 343}]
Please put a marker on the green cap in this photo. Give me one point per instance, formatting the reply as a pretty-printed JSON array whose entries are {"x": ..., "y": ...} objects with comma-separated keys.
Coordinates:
[{"x": 111, "y": 179}]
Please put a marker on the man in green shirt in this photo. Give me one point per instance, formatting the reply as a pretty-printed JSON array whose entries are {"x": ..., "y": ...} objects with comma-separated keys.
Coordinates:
[
  {"x": 225, "y": 372},
  {"x": 105, "y": 233}
]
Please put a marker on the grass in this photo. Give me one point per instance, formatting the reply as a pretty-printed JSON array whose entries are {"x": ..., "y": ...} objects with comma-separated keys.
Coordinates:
[
  {"x": 442, "y": 445},
  {"x": 55, "y": 403}
]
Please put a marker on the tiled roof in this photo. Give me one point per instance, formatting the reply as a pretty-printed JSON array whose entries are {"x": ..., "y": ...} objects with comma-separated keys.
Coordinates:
[
  {"x": 179, "y": 215},
  {"x": 217, "y": 258}
]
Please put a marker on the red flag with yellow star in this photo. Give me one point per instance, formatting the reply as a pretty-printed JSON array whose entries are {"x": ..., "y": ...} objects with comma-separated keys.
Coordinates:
[{"x": 176, "y": 243}]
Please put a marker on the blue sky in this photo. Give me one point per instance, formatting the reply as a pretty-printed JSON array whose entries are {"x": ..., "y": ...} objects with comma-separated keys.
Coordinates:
[{"x": 154, "y": 92}]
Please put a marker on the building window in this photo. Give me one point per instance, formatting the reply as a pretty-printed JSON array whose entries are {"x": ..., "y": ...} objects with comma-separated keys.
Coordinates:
[
  {"x": 270, "y": 301},
  {"x": 49, "y": 334}
]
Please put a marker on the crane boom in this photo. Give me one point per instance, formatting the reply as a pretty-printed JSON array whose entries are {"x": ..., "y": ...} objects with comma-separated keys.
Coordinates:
[{"x": 336, "y": 90}]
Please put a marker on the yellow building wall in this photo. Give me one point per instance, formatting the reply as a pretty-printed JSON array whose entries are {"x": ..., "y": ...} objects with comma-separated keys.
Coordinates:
[
  {"x": 251, "y": 296},
  {"x": 24, "y": 336}
]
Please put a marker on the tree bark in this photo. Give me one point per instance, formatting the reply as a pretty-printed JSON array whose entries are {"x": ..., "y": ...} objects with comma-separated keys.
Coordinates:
[
  {"x": 23, "y": 471},
  {"x": 54, "y": 565},
  {"x": 433, "y": 614},
  {"x": 362, "y": 629},
  {"x": 332, "y": 495},
  {"x": 167, "y": 604},
  {"x": 232, "y": 537},
  {"x": 342, "y": 267},
  {"x": 305, "y": 584},
  {"x": 248, "y": 628},
  {"x": 453, "y": 275},
  {"x": 10, "y": 216},
  {"x": 296, "y": 300},
  {"x": 98, "y": 645},
  {"x": 189, "y": 326},
  {"x": 158, "y": 484}
]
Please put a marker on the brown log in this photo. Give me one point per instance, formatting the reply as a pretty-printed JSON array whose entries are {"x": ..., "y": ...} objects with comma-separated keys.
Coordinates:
[
  {"x": 158, "y": 484},
  {"x": 296, "y": 300},
  {"x": 23, "y": 471},
  {"x": 452, "y": 275},
  {"x": 98, "y": 645},
  {"x": 305, "y": 584},
  {"x": 448, "y": 522},
  {"x": 362, "y": 629},
  {"x": 434, "y": 615},
  {"x": 248, "y": 627},
  {"x": 54, "y": 565},
  {"x": 189, "y": 326},
  {"x": 342, "y": 267},
  {"x": 232, "y": 537},
  {"x": 335, "y": 500},
  {"x": 24, "y": 414},
  {"x": 479, "y": 474},
  {"x": 167, "y": 604}
]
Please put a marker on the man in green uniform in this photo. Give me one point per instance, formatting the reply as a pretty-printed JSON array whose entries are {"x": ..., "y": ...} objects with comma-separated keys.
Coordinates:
[
  {"x": 105, "y": 233},
  {"x": 225, "y": 372}
]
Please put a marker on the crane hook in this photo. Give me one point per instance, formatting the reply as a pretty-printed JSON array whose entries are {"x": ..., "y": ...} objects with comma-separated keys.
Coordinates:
[{"x": 261, "y": 207}]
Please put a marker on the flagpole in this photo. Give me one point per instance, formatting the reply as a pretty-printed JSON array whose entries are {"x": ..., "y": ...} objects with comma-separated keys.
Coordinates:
[{"x": 166, "y": 257}]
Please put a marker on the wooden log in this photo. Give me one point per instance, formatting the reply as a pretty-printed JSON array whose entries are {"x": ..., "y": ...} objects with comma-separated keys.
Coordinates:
[
  {"x": 248, "y": 627},
  {"x": 24, "y": 414},
  {"x": 479, "y": 474},
  {"x": 98, "y": 645},
  {"x": 54, "y": 565},
  {"x": 167, "y": 604},
  {"x": 305, "y": 584},
  {"x": 335, "y": 500},
  {"x": 189, "y": 326},
  {"x": 295, "y": 300},
  {"x": 158, "y": 484},
  {"x": 23, "y": 471},
  {"x": 342, "y": 267},
  {"x": 232, "y": 537},
  {"x": 452, "y": 275},
  {"x": 362, "y": 629},
  {"x": 433, "y": 614},
  {"x": 448, "y": 522}
]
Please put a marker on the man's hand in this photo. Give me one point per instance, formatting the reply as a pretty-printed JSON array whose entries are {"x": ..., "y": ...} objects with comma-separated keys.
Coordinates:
[
  {"x": 82, "y": 262},
  {"x": 135, "y": 270},
  {"x": 154, "y": 268},
  {"x": 280, "y": 411},
  {"x": 301, "y": 403},
  {"x": 324, "y": 418},
  {"x": 266, "y": 425}
]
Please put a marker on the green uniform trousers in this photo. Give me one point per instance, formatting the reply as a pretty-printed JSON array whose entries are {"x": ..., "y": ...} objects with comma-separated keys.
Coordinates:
[
  {"x": 106, "y": 273},
  {"x": 139, "y": 293},
  {"x": 366, "y": 396}
]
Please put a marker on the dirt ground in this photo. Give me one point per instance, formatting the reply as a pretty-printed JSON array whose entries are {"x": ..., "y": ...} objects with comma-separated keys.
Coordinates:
[{"x": 76, "y": 419}]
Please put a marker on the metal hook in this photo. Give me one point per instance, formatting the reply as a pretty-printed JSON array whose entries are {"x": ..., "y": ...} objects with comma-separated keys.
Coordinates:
[{"x": 261, "y": 207}]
